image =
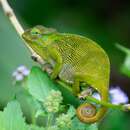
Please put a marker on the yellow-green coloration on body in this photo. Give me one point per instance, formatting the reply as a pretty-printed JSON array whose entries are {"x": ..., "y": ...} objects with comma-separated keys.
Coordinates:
[{"x": 74, "y": 59}]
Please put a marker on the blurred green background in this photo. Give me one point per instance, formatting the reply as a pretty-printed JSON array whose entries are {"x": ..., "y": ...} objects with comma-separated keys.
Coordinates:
[{"x": 106, "y": 22}]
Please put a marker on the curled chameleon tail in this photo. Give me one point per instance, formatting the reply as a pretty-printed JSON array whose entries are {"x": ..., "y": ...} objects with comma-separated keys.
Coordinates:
[{"x": 87, "y": 112}]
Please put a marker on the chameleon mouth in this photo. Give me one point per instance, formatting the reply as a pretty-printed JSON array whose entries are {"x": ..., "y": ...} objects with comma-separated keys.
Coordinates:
[
  {"x": 25, "y": 35},
  {"x": 26, "y": 38}
]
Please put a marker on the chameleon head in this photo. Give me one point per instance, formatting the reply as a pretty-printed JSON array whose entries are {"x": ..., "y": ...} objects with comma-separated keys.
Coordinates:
[{"x": 37, "y": 37}]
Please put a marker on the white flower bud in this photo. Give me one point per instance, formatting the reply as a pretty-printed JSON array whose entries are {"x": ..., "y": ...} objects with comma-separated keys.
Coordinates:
[
  {"x": 64, "y": 120},
  {"x": 53, "y": 101}
]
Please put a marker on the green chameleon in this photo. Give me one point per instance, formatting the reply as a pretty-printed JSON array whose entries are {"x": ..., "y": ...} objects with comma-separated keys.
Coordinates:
[{"x": 74, "y": 60}]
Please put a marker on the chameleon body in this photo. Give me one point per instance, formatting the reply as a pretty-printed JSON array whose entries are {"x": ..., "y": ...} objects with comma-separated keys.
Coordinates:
[{"x": 74, "y": 59}]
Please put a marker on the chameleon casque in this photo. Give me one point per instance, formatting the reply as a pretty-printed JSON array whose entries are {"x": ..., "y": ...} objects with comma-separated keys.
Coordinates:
[{"x": 74, "y": 59}]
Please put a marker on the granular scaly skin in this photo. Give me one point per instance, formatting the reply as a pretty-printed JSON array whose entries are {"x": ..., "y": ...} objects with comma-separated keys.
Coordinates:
[{"x": 74, "y": 59}]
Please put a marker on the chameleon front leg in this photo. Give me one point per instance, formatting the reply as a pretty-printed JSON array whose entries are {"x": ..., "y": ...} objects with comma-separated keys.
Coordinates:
[
  {"x": 45, "y": 66},
  {"x": 56, "y": 57},
  {"x": 78, "y": 79}
]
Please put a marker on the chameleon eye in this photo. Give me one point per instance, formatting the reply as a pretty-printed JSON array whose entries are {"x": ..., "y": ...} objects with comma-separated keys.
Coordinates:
[{"x": 35, "y": 32}]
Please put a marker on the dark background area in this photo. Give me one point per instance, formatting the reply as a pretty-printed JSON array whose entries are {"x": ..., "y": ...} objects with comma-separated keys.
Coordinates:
[{"x": 106, "y": 22}]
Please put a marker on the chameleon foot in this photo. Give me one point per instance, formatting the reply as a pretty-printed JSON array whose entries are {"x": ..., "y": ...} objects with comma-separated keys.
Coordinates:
[
  {"x": 85, "y": 93},
  {"x": 48, "y": 68}
]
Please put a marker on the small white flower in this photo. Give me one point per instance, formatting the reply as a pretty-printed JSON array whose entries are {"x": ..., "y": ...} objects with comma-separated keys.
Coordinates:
[
  {"x": 21, "y": 68},
  {"x": 19, "y": 77},
  {"x": 20, "y": 73},
  {"x": 118, "y": 96},
  {"x": 24, "y": 70}
]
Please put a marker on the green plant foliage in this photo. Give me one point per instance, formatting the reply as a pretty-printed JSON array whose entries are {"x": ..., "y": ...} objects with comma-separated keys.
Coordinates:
[
  {"x": 40, "y": 84},
  {"x": 125, "y": 67},
  {"x": 53, "y": 120},
  {"x": 34, "y": 127},
  {"x": 71, "y": 111},
  {"x": 115, "y": 120},
  {"x": 77, "y": 125},
  {"x": 11, "y": 118},
  {"x": 29, "y": 105}
]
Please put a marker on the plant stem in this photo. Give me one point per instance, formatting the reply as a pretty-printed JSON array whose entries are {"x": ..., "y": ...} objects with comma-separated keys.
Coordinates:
[
  {"x": 16, "y": 24},
  {"x": 106, "y": 104},
  {"x": 94, "y": 100},
  {"x": 10, "y": 14},
  {"x": 33, "y": 118},
  {"x": 49, "y": 120},
  {"x": 13, "y": 19}
]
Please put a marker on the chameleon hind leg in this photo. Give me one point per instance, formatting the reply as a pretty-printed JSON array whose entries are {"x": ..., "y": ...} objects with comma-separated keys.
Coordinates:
[
  {"x": 77, "y": 84},
  {"x": 76, "y": 87},
  {"x": 87, "y": 112}
]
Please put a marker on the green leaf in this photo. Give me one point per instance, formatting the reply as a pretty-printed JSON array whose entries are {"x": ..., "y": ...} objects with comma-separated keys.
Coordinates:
[
  {"x": 116, "y": 120},
  {"x": 11, "y": 118},
  {"x": 123, "y": 49},
  {"x": 29, "y": 105},
  {"x": 71, "y": 111},
  {"x": 40, "y": 85},
  {"x": 34, "y": 127},
  {"x": 40, "y": 112},
  {"x": 92, "y": 127},
  {"x": 77, "y": 125},
  {"x": 125, "y": 67}
]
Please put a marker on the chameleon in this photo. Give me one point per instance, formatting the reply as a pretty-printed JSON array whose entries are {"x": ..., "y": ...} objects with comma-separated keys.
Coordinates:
[{"x": 74, "y": 60}]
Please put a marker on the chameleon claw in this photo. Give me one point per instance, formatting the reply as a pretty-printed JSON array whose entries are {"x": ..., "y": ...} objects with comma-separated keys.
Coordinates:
[
  {"x": 48, "y": 68},
  {"x": 126, "y": 107}
]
